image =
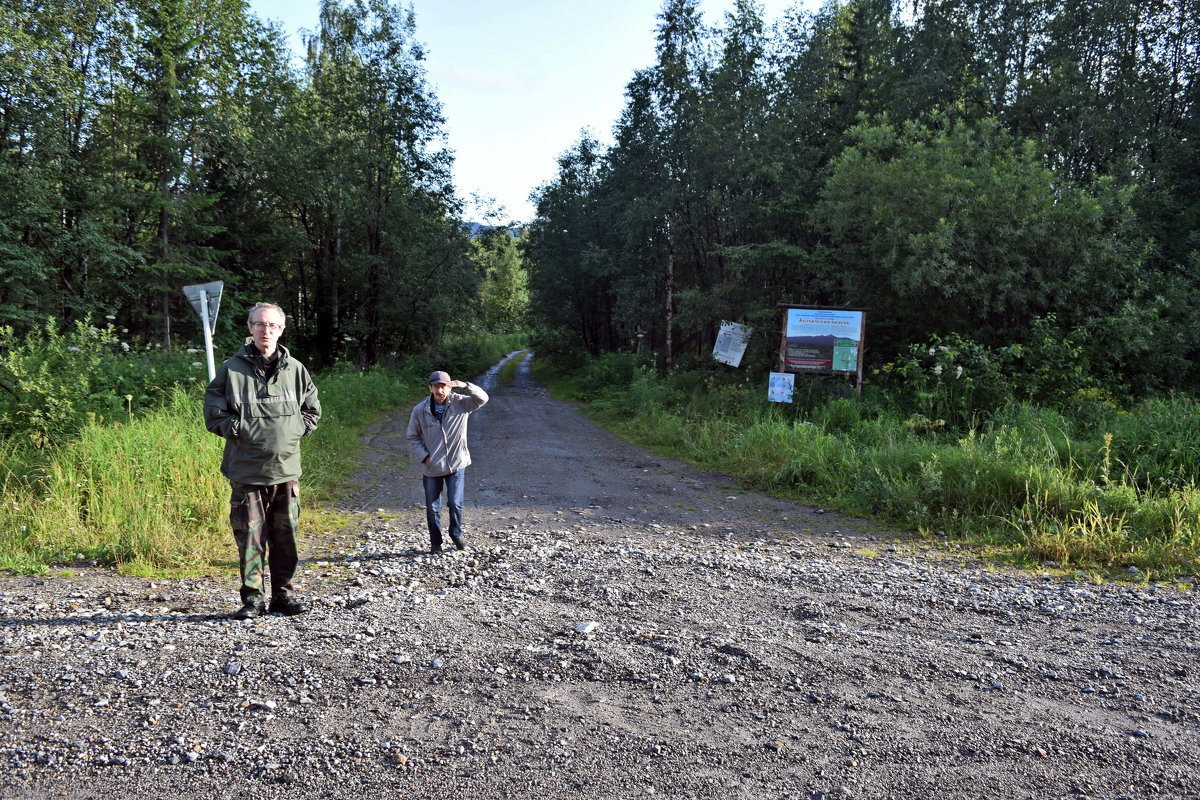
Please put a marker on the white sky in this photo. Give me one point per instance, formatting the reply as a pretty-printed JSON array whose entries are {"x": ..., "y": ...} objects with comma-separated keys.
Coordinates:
[{"x": 518, "y": 81}]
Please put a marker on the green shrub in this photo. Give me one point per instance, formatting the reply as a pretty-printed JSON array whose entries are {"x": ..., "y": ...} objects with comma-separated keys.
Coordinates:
[
  {"x": 53, "y": 383},
  {"x": 1053, "y": 366},
  {"x": 952, "y": 379},
  {"x": 1086, "y": 484},
  {"x": 610, "y": 371}
]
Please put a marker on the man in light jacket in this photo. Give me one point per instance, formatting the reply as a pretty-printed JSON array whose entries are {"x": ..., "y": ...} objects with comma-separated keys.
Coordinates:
[{"x": 437, "y": 437}]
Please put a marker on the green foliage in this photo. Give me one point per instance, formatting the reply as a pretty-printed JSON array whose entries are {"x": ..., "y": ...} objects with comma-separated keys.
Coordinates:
[
  {"x": 951, "y": 378},
  {"x": 370, "y": 181},
  {"x": 504, "y": 288},
  {"x": 52, "y": 383},
  {"x": 135, "y": 493},
  {"x": 149, "y": 145},
  {"x": 957, "y": 228},
  {"x": 960, "y": 170},
  {"x": 610, "y": 370},
  {"x": 1091, "y": 487}
]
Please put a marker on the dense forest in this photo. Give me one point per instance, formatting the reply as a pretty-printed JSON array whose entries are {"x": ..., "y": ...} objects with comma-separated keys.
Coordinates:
[
  {"x": 1016, "y": 175},
  {"x": 1019, "y": 174},
  {"x": 1011, "y": 187},
  {"x": 150, "y": 144}
]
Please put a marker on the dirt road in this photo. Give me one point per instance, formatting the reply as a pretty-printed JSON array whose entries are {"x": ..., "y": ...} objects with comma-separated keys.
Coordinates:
[{"x": 622, "y": 626}]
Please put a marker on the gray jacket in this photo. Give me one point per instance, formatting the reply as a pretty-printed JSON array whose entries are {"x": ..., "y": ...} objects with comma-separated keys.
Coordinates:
[{"x": 443, "y": 443}]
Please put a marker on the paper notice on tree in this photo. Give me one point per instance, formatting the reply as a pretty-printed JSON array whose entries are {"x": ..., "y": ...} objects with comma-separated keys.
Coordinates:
[
  {"x": 780, "y": 387},
  {"x": 731, "y": 343}
]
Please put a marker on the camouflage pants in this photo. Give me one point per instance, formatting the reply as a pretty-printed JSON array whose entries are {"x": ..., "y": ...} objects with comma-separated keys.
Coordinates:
[{"x": 265, "y": 520}]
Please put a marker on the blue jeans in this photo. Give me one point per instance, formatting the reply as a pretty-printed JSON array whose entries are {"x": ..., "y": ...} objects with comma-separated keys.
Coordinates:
[{"x": 433, "y": 504}]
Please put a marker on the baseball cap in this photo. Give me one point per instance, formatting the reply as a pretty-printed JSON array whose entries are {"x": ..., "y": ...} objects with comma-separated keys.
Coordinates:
[{"x": 439, "y": 377}]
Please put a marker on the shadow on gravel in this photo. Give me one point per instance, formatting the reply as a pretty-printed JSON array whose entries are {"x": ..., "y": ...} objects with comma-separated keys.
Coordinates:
[{"x": 109, "y": 619}]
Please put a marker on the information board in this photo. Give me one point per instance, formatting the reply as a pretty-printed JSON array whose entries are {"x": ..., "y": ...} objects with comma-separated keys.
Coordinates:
[{"x": 822, "y": 340}]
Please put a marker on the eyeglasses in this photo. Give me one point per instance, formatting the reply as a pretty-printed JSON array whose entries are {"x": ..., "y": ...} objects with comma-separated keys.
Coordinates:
[{"x": 266, "y": 326}]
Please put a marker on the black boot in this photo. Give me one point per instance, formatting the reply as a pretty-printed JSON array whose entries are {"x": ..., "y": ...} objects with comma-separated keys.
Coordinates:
[
  {"x": 250, "y": 611},
  {"x": 288, "y": 606}
]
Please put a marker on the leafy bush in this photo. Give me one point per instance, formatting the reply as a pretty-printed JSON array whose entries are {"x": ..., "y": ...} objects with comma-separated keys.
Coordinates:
[
  {"x": 52, "y": 382},
  {"x": 611, "y": 370},
  {"x": 1053, "y": 367},
  {"x": 950, "y": 378}
]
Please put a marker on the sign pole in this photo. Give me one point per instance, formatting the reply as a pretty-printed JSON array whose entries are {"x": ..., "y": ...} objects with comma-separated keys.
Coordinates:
[
  {"x": 206, "y": 300},
  {"x": 208, "y": 345}
]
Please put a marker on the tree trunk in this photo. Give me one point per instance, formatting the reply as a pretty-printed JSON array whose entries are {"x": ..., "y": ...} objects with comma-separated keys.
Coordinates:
[{"x": 669, "y": 292}]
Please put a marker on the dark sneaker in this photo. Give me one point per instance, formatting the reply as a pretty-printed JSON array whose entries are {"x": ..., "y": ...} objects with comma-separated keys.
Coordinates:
[
  {"x": 250, "y": 611},
  {"x": 288, "y": 606},
  {"x": 460, "y": 542},
  {"x": 434, "y": 549}
]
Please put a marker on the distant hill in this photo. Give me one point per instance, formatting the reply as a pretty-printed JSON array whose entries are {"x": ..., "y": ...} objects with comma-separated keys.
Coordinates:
[{"x": 476, "y": 229}]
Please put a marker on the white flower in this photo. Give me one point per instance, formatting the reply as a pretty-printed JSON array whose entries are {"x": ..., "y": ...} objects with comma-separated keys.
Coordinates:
[
  {"x": 124, "y": 347},
  {"x": 932, "y": 351},
  {"x": 109, "y": 316},
  {"x": 197, "y": 364},
  {"x": 191, "y": 351},
  {"x": 937, "y": 370},
  {"x": 958, "y": 371}
]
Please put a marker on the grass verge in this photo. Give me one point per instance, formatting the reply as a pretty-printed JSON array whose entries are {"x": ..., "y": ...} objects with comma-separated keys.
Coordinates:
[
  {"x": 1032, "y": 486},
  {"x": 147, "y": 495},
  {"x": 508, "y": 370}
]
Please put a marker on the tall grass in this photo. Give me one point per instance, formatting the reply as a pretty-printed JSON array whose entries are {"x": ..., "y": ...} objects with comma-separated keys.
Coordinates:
[
  {"x": 141, "y": 493},
  {"x": 1103, "y": 489},
  {"x": 146, "y": 494}
]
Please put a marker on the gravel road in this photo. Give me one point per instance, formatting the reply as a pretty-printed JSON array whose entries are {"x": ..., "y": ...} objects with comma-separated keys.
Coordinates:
[{"x": 622, "y": 626}]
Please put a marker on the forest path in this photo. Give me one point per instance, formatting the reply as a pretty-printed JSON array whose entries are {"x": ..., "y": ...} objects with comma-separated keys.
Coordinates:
[{"x": 622, "y": 626}]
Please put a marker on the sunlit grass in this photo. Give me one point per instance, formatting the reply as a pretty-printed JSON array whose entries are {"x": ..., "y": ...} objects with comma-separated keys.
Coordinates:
[
  {"x": 146, "y": 495},
  {"x": 1031, "y": 487},
  {"x": 143, "y": 492}
]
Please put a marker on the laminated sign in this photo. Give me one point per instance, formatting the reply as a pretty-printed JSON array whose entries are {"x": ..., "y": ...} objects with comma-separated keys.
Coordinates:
[
  {"x": 731, "y": 343},
  {"x": 780, "y": 387},
  {"x": 822, "y": 340}
]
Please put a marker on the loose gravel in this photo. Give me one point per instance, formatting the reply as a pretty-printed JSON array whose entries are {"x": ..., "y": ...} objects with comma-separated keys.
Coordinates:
[{"x": 621, "y": 626}]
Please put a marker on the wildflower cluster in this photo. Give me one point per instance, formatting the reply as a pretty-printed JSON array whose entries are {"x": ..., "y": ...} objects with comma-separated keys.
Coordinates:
[{"x": 951, "y": 379}]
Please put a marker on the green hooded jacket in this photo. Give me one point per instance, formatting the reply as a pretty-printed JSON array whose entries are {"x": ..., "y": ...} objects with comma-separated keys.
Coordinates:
[{"x": 262, "y": 417}]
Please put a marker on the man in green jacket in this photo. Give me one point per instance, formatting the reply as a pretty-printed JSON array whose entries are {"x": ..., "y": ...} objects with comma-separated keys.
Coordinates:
[{"x": 262, "y": 402}]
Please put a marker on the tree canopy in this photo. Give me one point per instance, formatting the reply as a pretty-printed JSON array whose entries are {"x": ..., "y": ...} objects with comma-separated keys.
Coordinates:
[
  {"x": 994, "y": 169},
  {"x": 148, "y": 145}
]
